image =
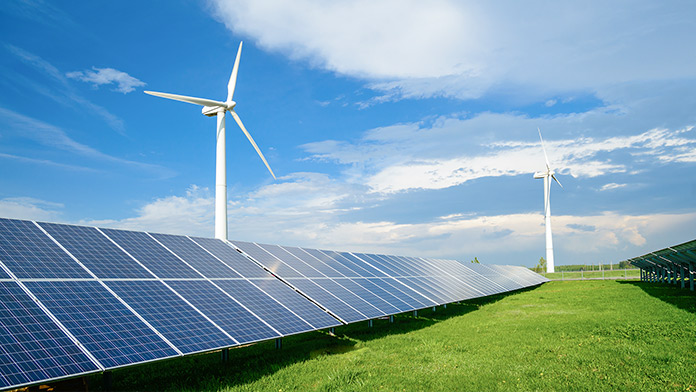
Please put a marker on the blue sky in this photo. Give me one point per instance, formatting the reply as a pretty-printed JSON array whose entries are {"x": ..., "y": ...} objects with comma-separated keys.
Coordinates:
[{"x": 404, "y": 127}]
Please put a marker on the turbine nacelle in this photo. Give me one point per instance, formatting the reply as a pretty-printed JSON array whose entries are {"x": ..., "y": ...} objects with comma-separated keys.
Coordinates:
[{"x": 212, "y": 111}]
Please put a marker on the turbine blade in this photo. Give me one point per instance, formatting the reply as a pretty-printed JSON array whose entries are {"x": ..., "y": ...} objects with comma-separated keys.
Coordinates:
[
  {"x": 183, "y": 98},
  {"x": 253, "y": 143},
  {"x": 233, "y": 78},
  {"x": 556, "y": 179},
  {"x": 548, "y": 166}
]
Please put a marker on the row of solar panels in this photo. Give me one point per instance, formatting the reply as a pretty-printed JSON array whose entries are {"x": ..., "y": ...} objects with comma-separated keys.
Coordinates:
[
  {"x": 76, "y": 300},
  {"x": 672, "y": 264}
]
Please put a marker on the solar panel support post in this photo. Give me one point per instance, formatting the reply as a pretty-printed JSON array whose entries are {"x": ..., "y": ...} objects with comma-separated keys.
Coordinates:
[
  {"x": 225, "y": 354},
  {"x": 107, "y": 381},
  {"x": 369, "y": 323},
  {"x": 682, "y": 272},
  {"x": 415, "y": 313},
  {"x": 332, "y": 331},
  {"x": 434, "y": 308},
  {"x": 391, "y": 318},
  {"x": 279, "y": 343},
  {"x": 444, "y": 306},
  {"x": 691, "y": 277}
]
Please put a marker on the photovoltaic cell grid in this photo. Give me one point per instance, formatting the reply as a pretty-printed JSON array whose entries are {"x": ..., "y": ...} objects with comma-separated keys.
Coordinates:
[
  {"x": 32, "y": 347},
  {"x": 200, "y": 294}
]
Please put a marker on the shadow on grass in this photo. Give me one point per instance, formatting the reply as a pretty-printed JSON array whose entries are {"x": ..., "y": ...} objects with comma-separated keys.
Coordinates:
[
  {"x": 673, "y": 294},
  {"x": 250, "y": 363}
]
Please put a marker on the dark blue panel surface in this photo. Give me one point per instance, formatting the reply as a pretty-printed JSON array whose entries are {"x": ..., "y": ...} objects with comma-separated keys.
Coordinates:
[
  {"x": 232, "y": 258},
  {"x": 422, "y": 288},
  {"x": 359, "y": 263},
  {"x": 272, "y": 312},
  {"x": 29, "y": 253},
  {"x": 406, "y": 294},
  {"x": 367, "y": 296},
  {"x": 329, "y": 301},
  {"x": 298, "y": 303},
  {"x": 180, "y": 323},
  {"x": 95, "y": 251},
  {"x": 496, "y": 277},
  {"x": 393, "y": 300},
  {"x": 350, "y": 298},
  {"x": 224, "y": 311},
  {"x": 111, "y": 332},
  {"x": 267, "y": 260},
  {"x": 197, "y": 257},
  {"x": 328, "y": 260},
  {"x": 151, "y": 254},
  {"x": 32, "y": 347},
  {"x": 380, "y": 265}
]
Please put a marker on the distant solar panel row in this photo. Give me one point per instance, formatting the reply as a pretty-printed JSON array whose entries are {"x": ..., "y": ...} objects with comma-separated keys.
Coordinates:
[
  {"x": 675, "y": 264},
  {"x": 75, "y": 300}
]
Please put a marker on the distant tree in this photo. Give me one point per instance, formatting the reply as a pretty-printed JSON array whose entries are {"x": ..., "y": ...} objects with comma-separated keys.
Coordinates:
[
  {"x": 475, "y": 260},
  {"x": 541, "y": 266}
]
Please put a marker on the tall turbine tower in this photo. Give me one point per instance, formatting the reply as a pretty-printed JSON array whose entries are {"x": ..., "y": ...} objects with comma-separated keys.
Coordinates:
[
  {"x": 216, "y": 108},
  {"x": 547, "y": 175}
]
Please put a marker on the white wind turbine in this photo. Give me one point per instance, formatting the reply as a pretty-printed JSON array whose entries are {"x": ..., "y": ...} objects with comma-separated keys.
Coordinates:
[
  {"x": 216, "y": 108},
  {"x": 547, "y": 175}
]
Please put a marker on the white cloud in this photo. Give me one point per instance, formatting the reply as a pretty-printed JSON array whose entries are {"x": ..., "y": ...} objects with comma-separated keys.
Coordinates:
[
  {"x": 612, "y": 186},
  {"x": 29, "y": 208},
  {"x": 100, "y": 76},
  {"x": 410, "y": 48},
  {"x": 451, "y": 151}
]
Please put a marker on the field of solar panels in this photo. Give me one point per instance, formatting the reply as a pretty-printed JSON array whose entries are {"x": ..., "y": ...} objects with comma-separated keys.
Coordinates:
[{"x": 590, "y": 335}]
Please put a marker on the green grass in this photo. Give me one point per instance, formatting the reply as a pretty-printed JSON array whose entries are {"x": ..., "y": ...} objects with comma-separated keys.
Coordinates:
[
  {"x": 631, "y": 273},
  {"x": 590, "y": 335}
]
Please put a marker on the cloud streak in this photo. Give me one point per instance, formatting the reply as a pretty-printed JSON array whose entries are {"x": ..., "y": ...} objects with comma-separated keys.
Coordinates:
[{"x": 101, "y": 76}]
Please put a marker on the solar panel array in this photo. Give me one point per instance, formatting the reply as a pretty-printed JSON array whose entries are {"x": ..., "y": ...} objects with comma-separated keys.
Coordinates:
[
  {"x": 674, "y": 264},
  {"x": 77, "y": 300}
]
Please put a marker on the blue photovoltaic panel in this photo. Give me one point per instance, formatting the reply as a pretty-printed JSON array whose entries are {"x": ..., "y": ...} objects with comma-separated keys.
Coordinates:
[
  {"x": 267, "y": 260},
  {"x": 295, "y": 301},
  {"x": 197, "y": 257},
  {"x": 421, "y": 287},
  {"x": 151, "y": 254},
  {"x": 393, "y": 300},
  {"x": 497, "y": 277},
  {"x": 3, "y": 275},
  {"x": 380, "y": 265},
  {"x": 32, "y": 347},
  {"x": 348, "y": 297},
  {"x": 31, "y": 254},
  {"x": 180, "y": 323},
  {"x": 367, "y": 296},
  {"x": 95, "y": 251},
  {"x": 109, "y": 330},
  {"x": 322, "y": 268},
  {"x": 330, "y": 260},
  {"x": 243, "y": 326},
  {"x": 530, "y": 275},
  {"x": 404, "y": 293},
  {"x": 232, "y": 258},
  {"x": 326, "y": 299},
  {"x": 290, "y": 260},
  {"x": 275, "y": 314},
  {"x": 356, "y": 261}
]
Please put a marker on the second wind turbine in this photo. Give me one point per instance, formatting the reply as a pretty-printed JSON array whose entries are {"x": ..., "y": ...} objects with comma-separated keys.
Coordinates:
[
  {"x": 547, "y": 176},
  {"x": 217, "y": 108}
]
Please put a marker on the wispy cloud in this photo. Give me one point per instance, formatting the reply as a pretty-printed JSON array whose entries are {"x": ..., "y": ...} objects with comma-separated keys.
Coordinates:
[
  {"x": 101, "y": 76},
  {"x": 46, "y": 162},
  {"x": 64, "y": 93},
  {"x": 48, "y": 135},
  {"x": 461, "y": 49},
  {"x": 30, "y": 208}
]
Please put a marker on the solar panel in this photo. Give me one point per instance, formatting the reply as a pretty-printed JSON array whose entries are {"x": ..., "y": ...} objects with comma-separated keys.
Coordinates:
[
  {"x": 316, "y": 264},
  {"x": 110, "y": 331},
  {"x": 278, "y": 316},
  {"x": 31, "y": 254},
  {"x": 197, "y": 257},
  {"x": 178, "y": 321},
  {"x": 269, "y": 261},
  {"x": 295, "y": 301},
  {"x": 331, "y": 260},
  {"x": 327, "y": 300},
  {"x": 237, "y": 321},
  {"x": 33, "y": 347},
  {"x": 368, "y": 269},
  {"x": 152, "y": 255},
  {"x": 95, "y": 251},
  {"x": 368, "y": 296},
  {"x": 232, "y": 258},
  {"x": 505, "y": 282},
  {"x": 288, "y": 259},
  {"x": 393, "y": 300}
]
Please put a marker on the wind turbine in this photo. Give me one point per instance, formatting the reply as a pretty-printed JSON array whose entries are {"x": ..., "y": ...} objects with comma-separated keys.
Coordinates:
[
  {"x": 217, "y": 108},
  {"x": 547, "y": 175}
]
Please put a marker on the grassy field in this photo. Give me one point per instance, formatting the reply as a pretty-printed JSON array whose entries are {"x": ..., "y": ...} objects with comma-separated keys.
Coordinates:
[
  {"x": 572, "y": 335},
  {"x": 607, "y": 274}
]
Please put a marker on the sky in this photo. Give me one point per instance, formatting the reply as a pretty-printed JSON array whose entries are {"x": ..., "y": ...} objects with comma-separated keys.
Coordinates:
[{"x": 394, "y": 126}]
